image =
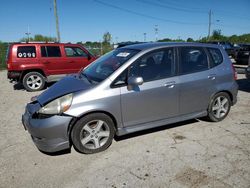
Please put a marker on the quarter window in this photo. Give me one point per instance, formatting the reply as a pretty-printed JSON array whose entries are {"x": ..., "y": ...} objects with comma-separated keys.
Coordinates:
[
  {"x": 26, "y": 52},
  {"x": 216, "y": 56},
  {"x": 75, "y": 52},
  {"x": 192, "y": 59},
  {"x": 154, "y": 66},
  {"x": 50, "y": 51}
]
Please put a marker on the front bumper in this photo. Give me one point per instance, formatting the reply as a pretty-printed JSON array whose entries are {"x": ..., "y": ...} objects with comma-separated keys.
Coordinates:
[{"x": 49, "y": 134}]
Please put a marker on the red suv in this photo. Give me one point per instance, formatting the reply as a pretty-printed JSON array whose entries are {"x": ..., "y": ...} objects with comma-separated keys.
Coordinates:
[{"x": 34, "y": 64}]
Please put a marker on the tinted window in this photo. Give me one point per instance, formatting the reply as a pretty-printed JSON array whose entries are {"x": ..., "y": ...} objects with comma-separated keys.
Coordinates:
[
  {"x": 192, "y": 59},
  {"x": 43, "y": 51},
  {"x": 26, "y": 52},
  {"x": 50, "y": 51},
  {"x": 75, "y": 52},
  {"x": 155, "y": 65},
  {"x": 216, "y": 56}
]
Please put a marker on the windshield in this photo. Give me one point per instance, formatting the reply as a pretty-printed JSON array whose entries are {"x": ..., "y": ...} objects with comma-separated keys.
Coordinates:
[{"x": 104, "y": 66}]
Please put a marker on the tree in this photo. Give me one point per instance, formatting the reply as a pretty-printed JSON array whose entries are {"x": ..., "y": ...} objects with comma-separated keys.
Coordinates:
[
  {"x": 217, "y": 35},
  {"x": 40, "y": 38},
  {"x": 3, "y": 51},
  {"x": 165, "y": 40},
  {"x": 107, "y": 38},
  {"x": 106, "y": 44},
  {"x": 190, "y": 40}
]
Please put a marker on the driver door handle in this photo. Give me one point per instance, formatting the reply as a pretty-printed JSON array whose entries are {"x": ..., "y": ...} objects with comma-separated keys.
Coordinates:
[
  {"x": 170, "y": 84},
  {"x": 212, "y": 76}
]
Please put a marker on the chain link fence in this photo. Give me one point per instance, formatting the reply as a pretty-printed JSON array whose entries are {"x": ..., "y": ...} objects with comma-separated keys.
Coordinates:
[{"x": 3, "y": 52}]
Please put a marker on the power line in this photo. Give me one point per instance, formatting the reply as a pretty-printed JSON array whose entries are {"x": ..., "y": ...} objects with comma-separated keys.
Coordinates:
[
  {"x": 180, "y": 7},
  {"x": 231, "y": 26},
  {"x": 145, "y": 15},
  {"x": 171, "y": 7}
]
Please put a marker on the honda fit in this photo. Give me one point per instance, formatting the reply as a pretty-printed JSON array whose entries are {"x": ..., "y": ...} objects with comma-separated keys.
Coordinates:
[{"x": 130, "y": 89}]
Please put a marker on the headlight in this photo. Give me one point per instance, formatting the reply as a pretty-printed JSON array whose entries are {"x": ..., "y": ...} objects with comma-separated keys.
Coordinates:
[{"x": 57, "y": 106}]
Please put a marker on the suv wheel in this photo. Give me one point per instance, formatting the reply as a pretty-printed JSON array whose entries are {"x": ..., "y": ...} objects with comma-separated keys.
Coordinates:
[
  {"x": 33, "y": 81},
  {"x": 219, "y": 107},
  {"x": 93, "y": 133}
]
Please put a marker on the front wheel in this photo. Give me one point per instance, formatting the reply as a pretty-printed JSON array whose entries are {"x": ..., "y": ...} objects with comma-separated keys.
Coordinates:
[
  {"x": 219, "y": 107},
  {"x": 93, "y": 133},
  {"x": 33, "y": 81}
]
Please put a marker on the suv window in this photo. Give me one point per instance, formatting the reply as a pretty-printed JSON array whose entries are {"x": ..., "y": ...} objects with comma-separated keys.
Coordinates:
[
  {"x": 50, "y": 51},
  {"x": 75, "y": 52},
  {"x": 216, "y": 56},
  {"x": 26, "y": 52},
  {"x": 192, "y": 59},
  {"x": 154, "y": 65}
]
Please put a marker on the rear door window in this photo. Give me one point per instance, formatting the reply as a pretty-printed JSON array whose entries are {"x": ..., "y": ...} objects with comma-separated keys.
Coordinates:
[
  {"x": 192, "y": 59},
  {"x": 75, "y": 52},
  {"x": 50, "y": 51},
  {"x": 26, "y": 52},
  {"x": 216, "y": 56}
]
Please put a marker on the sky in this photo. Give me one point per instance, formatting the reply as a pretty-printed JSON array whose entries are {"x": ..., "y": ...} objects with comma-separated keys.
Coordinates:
[{"x": 126, "y": 20}]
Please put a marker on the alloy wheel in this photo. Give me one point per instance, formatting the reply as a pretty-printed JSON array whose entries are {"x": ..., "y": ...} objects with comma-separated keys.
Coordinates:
[
  {"x": 220, "y": 107},
  {"x": 94, "y": 134}
]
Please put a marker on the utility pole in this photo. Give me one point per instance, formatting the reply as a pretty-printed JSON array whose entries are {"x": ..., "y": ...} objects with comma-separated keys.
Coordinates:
[
  {"x": 57, "y": 22},
  {"x": 156, "y": 33},
  {"x": 145, "y": 36},
  {"x": 209, "y": 23},
  {"x": 28, "y": 33}
]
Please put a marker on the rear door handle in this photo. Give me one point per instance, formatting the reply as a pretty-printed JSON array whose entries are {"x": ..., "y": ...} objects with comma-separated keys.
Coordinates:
[
  {"x": 212, "y": 76},
  {"x": 169, "y": 84},
  {"x": 46, "y": 62}
]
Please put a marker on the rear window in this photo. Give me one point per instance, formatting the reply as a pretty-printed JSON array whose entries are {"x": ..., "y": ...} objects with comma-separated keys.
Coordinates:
[
  {"x": 50, "y": 51},
  {"x": 26, "y": 52},
  {"x": 216, "y": 56}
]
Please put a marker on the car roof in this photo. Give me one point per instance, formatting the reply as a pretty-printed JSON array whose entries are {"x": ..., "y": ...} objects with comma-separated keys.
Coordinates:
[
  {"x": 42, "y": 43},
  {"x": 151, "y": 45}
]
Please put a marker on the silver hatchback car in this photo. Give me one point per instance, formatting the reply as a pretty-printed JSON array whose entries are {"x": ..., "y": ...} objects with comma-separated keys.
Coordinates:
[{"x": 130, "y": 89}]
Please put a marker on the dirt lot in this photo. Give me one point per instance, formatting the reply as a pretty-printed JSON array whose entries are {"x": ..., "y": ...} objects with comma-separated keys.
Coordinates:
[{"x": 189, "y": 154}]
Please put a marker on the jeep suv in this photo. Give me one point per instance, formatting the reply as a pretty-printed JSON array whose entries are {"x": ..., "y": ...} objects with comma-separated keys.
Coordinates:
[{"x": 34, "y": 64}]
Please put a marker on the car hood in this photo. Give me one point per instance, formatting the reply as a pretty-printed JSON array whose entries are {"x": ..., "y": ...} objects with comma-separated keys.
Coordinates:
[{"x": 65, "y": 86}]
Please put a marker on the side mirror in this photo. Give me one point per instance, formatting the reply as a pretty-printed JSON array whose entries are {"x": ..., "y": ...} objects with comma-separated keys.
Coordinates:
[{"x": 135, "y": 81}]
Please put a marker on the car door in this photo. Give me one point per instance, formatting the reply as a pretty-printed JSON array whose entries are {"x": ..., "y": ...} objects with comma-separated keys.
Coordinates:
[
  {"x": 157, "y": 98},
  {"x": 51, "y": 59},
  {"x": 75, "y": 58},
  {"x": 197, "y": 81}
]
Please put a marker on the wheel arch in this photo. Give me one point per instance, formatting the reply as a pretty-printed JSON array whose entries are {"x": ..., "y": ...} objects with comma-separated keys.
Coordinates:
[
  {"x": 24, "y": 72},
  {"x": 227, "y": 92},
  {"x": 74, "y": 121}
]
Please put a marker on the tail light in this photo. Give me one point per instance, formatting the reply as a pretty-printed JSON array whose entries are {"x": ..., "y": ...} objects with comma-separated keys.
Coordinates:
[{"x": 234, "y": 72}]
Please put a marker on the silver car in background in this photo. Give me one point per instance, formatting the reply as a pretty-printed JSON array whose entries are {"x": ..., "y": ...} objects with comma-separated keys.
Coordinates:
[{"x": 130, "y": 89}]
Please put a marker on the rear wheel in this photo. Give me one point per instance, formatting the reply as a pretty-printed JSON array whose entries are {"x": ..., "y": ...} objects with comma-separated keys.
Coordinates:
[
  {"x": 33, "y": 81},
  {"x": 93, "y": 133},
  {"x": 219, "y": 107}
]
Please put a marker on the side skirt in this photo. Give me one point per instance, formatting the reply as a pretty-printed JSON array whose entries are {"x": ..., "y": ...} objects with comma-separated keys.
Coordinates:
[{"x": 163, "y": 122}]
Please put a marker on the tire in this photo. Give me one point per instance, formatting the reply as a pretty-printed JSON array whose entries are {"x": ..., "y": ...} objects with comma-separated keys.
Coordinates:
[
  {"x": 219, "y": 107},
  {"x": 93, "y": 133},
  {"x": 33, "y": 81}
]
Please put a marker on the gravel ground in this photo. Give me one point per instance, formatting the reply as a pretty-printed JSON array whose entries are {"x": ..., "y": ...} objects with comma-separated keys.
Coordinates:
[{"x": 189, "y": 154}]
